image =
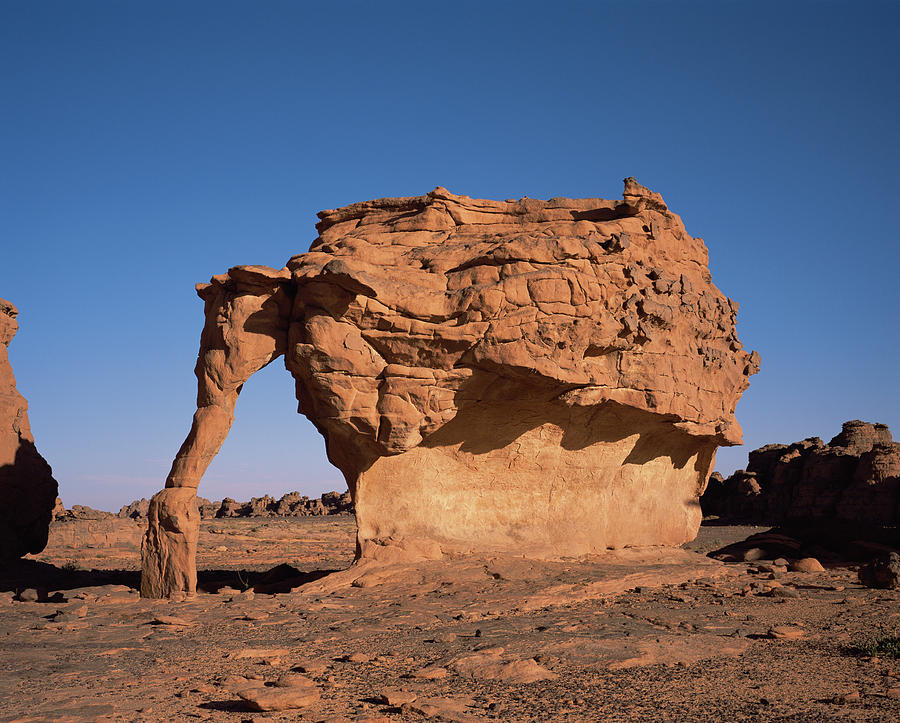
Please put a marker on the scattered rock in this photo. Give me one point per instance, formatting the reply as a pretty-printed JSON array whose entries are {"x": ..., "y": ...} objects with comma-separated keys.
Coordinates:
[
  {"x": 357, "y": 658},
  {"x": 491, "y": 664},
  {"x": 433, "y": 672},
  {"x": 786, "y": 632},
  {"x": 783, "y": 592},
  {"x": 255, "y": 615},
  {"x": 807, "y": 564},
  {"x": 396, "y": 696},
  {"x": 847, "y": 698},
  {"x": 275, "y": 699},
  {"x": 312, "y": 667},
  {"x": 29, "y": 595},
  {"x": 170, "y": 620},
  {"x": 882, "y": 572},
  {"x": 441, "y": 708},
  {"x": 259, "y": 653},
  {"x": 293, "y": 680}
]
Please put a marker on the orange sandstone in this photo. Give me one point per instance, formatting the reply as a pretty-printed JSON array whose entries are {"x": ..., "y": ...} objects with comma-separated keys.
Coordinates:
[{"x": 545, "y": 377}]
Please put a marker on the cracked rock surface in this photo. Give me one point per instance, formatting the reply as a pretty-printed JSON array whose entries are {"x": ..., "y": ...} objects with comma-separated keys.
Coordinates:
[{"x": 550, "y": 377}]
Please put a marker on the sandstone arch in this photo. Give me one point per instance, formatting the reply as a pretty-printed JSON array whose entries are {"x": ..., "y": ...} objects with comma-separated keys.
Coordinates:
[{"x": 547, "y": 376}]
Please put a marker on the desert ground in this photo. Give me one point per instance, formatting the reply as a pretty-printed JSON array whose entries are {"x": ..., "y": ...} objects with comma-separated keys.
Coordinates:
[{"x": 642, "y": 634}]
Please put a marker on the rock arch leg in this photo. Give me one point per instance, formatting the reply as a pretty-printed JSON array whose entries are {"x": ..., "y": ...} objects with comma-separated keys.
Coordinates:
[{"x": 245, "y": 329}]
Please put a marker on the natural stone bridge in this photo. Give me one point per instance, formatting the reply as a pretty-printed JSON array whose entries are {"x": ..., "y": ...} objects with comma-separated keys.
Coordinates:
[{"x": 546, "y": 377}]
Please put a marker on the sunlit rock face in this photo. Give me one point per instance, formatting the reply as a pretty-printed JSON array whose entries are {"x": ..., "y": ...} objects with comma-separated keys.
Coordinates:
[
  {"x": 550, "y": 377},
  {"x": 27, "y": 488}
]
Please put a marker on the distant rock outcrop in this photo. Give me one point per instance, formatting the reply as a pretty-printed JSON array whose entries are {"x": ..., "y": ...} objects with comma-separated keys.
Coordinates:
[
  {"x": 27, "y": 487},
  {"x": 543, "y": 376},
  {"x": 855, "y": 478},
  {"x": 292, "y": 504}
]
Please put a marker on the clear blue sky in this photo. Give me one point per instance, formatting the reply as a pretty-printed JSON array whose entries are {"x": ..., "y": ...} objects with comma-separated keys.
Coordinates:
[{"x": 146, "y": 146}]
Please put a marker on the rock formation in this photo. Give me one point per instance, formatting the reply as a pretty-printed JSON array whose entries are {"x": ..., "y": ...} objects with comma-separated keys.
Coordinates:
[
  {"x": 855, "y": 478},
  {"x": 292, "y": 504},
  {"x": 27, "y": 488},
  {"x": 550, "y": 377}
]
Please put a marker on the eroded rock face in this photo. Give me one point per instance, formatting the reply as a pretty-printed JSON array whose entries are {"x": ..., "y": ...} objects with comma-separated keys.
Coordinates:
[
  {"x": 551, "y": 377},
  {"x": 27, "y": 488},
  {"x": 855, "y": 478}
]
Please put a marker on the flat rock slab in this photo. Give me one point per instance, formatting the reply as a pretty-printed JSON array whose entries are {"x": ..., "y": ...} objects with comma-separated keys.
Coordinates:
[
  {"x": 531, "y": 584},
  {"x": 279, "y": 698}
]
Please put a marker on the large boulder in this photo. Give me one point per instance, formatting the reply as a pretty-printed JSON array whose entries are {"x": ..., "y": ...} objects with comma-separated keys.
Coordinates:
[
  {"x": 27, "y": 488},
  {"x": 854, "y": 479},
  {"x": 545, "y": 377}
]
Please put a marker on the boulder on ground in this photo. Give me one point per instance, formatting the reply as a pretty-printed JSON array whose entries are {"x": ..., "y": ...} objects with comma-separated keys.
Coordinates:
[{"x": 882, "y": 572}]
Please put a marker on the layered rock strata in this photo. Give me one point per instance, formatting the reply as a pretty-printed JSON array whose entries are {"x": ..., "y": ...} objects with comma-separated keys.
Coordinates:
[
  {"x": 27, "y": 488},
  {"x": 545, "y": 377},
  {"x": 855, "y": 478}
]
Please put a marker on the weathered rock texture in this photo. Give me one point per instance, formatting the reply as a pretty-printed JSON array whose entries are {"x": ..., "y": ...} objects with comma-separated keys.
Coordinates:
[
  {"x": 27, "y": 488},
  {"x": 855, "y": 478},
  {"x": 550, "y": 377}
]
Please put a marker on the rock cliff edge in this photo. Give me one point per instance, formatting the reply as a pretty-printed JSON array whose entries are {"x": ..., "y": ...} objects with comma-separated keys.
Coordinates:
[{"x": 27, "y": 488}]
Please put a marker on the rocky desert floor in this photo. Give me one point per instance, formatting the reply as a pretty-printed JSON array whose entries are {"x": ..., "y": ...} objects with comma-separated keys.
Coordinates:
[{"x": 642, "y": 634}]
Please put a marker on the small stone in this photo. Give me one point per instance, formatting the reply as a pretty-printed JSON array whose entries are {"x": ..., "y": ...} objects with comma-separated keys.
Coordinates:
[
  {"x": 259, "y": 653},
  {"x": 252, "y": 616},
  {"x": 893, "y": 693},
  {"x": 221, "y": 548},
  {"x": 786, "y": 632},
  {"x": 170, "y": 620},
  {"x": 396, "y": 696},
  {"x": 807, "y": 564},
  {"x": 845, "y": 698},
  {"x": 780, "y": 561},
  {"x": 292, "y": 680},
  {"x": 754, "y": 554},
  {"x": 357, "y": 658},
  {"x": 430, "y": 673},
  {"x": 312, "y": 667},
  {"x": 441, "y": 708},
  {"x": 29, "y": 595},
  {"x": 783, "y": 592}
]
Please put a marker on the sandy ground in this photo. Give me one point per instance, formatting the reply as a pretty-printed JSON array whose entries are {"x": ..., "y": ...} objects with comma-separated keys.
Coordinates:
[{"x": 641, "y": 635}]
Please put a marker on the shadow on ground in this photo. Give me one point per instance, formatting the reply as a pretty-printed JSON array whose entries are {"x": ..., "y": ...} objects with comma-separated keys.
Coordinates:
[{"x": 48, "y": 579}]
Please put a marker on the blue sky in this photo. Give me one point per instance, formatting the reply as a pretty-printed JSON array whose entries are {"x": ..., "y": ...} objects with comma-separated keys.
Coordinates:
[{"x": 147, "y": 146}]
